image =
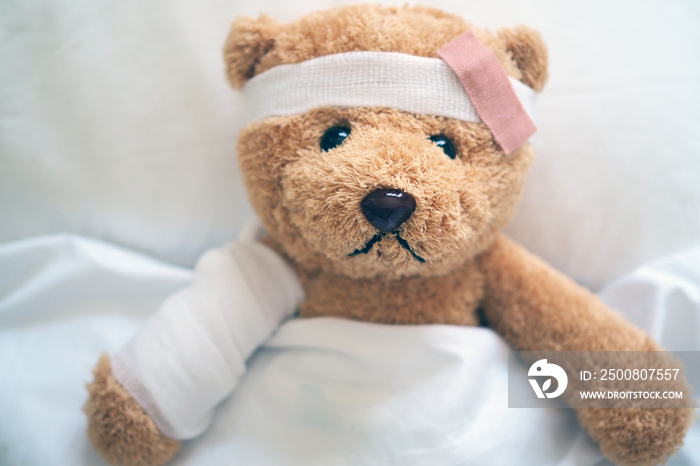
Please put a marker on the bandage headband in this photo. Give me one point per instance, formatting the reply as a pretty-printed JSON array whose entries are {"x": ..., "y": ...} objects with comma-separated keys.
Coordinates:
[{"x": 467, "y": 83}]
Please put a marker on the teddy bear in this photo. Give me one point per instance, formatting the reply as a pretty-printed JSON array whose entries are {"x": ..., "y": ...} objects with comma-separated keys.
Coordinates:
[{"x": 383, "y": 196}]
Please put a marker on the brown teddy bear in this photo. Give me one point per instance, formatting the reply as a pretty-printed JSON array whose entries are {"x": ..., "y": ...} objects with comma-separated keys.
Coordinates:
[{"x": 391, "y": 211}]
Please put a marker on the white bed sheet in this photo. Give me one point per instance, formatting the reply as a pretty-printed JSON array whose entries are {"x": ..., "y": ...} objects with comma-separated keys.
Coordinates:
[{"x": 65, "y": 299}]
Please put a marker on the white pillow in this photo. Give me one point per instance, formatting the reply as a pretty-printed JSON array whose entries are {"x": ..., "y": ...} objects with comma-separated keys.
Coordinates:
[{"x": 116, "y": 122}]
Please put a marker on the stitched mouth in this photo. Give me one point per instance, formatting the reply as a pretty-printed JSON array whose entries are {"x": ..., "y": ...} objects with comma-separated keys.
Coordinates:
[{"x": 378, "y": 237}]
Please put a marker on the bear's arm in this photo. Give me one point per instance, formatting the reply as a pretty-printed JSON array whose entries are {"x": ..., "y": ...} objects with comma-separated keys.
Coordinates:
[
  {"x": 166, "y": 381},
  {"x": 536, "y": 308}
]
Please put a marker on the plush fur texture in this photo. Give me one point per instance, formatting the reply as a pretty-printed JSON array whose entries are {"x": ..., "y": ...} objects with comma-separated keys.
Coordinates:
[
  {"x": 258, "y": 45},
  {"x": 537, "y": 308},
  {"x": 117, "y": 426},
  {"x": 309, "y": 201}
]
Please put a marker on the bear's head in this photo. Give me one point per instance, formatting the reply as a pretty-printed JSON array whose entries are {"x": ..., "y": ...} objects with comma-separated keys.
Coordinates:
[{"x": 377, "y": 191}]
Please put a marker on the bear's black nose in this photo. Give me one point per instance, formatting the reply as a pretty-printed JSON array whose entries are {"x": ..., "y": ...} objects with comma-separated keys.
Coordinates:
[{"x": 386, "y": 209}]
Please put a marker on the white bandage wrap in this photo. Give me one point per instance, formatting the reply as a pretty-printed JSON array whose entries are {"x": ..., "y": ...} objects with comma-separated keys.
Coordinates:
[
  {"x": 192, "y": 353},
  {"x": 406, "y": 82}
]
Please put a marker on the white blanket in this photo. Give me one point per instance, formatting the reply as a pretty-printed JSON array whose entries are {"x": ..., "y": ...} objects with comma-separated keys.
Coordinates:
[{"x": 320, "y": 392}]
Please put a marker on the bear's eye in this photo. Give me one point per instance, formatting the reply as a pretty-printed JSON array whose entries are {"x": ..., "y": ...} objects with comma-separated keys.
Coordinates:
[
  {"x": 333, "y": 137},
  {"x": 445, "y": 144}
]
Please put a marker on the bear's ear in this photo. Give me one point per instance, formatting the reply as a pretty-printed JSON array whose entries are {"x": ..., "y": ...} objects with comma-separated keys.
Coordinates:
[
  {"x": 249, "y": 40},
  {"x": 529, "y": 52}
]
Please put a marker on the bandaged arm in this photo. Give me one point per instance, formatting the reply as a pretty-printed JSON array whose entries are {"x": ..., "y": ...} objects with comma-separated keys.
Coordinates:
[{"x": 192, "y": 353}]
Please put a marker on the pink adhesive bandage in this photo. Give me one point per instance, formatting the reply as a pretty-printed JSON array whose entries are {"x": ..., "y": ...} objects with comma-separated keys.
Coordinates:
[{"x": 490, "y": 90}]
